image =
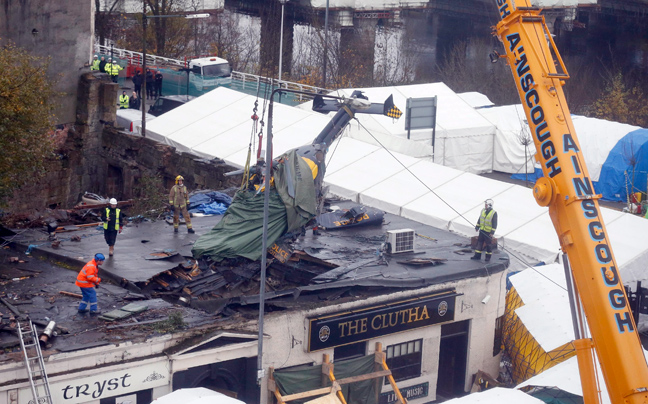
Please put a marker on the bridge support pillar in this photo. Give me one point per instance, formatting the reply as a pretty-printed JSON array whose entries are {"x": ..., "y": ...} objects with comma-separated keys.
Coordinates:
[
  {"x": 270, "y": 38},
  {"x": 357, "y": 46}
]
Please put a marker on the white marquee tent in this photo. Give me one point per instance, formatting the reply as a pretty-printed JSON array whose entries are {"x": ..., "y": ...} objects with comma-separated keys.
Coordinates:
[
  {"x": 596, "y": 137},
  {"x": 218, "y": 125},
  {"x": 463, "y": 138}
]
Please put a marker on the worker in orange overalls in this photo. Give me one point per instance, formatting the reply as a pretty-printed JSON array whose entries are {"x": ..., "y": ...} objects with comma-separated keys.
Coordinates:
[{"x": 88, "y": 280}]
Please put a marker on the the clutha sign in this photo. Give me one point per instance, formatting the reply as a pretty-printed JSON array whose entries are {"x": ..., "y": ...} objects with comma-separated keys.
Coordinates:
[{"x": 371, "y": 322}]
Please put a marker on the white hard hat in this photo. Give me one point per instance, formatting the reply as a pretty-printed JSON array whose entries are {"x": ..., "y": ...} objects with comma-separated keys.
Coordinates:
[
  {"x": 113, "y": 201},
  {"x": 489, "y": 203},
  {"x": 109, "y": 59},
  {"x": 96, "y": 56}
]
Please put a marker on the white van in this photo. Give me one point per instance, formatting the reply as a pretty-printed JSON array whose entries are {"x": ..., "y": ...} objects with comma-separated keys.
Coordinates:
[{"x": 131, "y": 120}]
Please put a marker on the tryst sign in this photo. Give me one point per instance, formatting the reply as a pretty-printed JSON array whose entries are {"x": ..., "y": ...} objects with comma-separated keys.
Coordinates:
[
  {"x": 363, "y": 324},
  {"x": 107, "y": 384}
]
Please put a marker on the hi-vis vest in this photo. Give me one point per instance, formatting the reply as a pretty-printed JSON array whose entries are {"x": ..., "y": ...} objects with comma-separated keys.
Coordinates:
[
  {"x": 108, "y": 219},
  {"x": 123, "y": 101},
  {"x": 486, "y": 221},
  {"x": 95, "y": 64},
  {"x": 87, "y": 278}
]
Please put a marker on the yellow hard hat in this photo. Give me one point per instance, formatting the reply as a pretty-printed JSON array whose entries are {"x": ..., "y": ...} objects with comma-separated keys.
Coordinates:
[{"x": 178, "y": 178}]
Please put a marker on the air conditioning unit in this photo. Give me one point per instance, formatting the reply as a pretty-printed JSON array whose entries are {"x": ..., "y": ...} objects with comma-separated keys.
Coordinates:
[{"x": 400, "y": 241}]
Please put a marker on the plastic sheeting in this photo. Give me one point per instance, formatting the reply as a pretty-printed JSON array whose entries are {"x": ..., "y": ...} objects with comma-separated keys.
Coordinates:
[
  {"x": 629, "y": 155},
  {"x": 209, "y": 202},
  {"x": 239, "y": 233},
  {"x": 305, "y": 378}
]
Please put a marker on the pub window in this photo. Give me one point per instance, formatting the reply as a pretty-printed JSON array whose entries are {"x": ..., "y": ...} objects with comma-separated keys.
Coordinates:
[
  {"x": 404, "y": 360},
  {"x": 350, "y": 351},
  {"x": 497, "y": 343}
]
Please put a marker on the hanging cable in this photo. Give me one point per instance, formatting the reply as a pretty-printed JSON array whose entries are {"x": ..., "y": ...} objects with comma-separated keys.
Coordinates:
[{"x": 508, "y": 251}]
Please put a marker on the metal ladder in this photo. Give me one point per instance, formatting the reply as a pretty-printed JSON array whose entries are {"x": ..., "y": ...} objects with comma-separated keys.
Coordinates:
[{"x": 34, "y": 363}]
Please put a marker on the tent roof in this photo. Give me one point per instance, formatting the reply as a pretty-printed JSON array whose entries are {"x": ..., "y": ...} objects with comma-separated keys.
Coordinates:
[
  {"x": 197, "y": 395},
  {"x": 544, "y": 293},
  {"x": 476, "y": 100},
  {"x": 496, "y": 395},
  {"x": 463, "y": 137},
  {"x": 218, "y": 125}
]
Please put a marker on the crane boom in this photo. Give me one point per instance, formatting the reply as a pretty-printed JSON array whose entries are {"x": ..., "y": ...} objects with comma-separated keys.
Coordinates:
[{"x": 567, "y": 190}]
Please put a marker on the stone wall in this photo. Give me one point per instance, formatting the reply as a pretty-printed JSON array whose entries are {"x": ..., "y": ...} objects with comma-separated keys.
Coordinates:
[
  {"x": 60, "y": 29},
  {"x": 127, "y": 158},
  {"x": 95, "y": 157}
]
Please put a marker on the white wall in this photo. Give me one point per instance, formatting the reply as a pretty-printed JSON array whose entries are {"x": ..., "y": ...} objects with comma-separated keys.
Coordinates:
[{"x": 289, "y": 332}]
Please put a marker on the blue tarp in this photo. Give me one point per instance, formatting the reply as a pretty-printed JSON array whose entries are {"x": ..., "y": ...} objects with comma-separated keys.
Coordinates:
[
  {"x": 209, "y": 202},
  {"x": 531, "y": 177},
  {"x": 632, "y": 148}
]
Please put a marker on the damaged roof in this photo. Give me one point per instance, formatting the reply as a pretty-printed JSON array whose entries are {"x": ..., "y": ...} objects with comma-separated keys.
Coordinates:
[{"x": 153, "y": 267}]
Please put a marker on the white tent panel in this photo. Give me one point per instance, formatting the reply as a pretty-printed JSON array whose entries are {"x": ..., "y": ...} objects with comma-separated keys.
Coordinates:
[
  {"x": 233, "y": 141},
  {"x": 471, "y": 153},
  {"x": 566, "y": 377},
  {"x": 627, "y": 235},
  {"x": 345, "y": 151},
  {"x": 464, "y": 138},
  {"x": 497, "y": 395},
  {"x": 399, "y": 190},
  {"x": 475, "y": 99},
  {"x": 540, "y": 283},
  {"x": 545, "y": 313},
  {"x": 365, "y": 173},
  {"x": 451, "y": 201},
  {"x": 515, "y": 206},
  {"x": 415, "y": 148},
  {"x": 508, "y": 151},
  {"x": 198, "y": 109},
  {"x": 536, "y": 239},
  {"x": 597, "y": 137},
  {"x": 548, "y": 321}
]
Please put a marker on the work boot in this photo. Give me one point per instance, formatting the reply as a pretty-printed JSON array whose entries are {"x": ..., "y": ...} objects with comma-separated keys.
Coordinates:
[
  {"x": 488, "y": 257},
  {"x": 95, "y": 312},
  {"x": 175, "y": 230},
  {"x": 111, "y": 250},
  {"x": 190, "y": 230},
  {"x": 476, "y": 256}
]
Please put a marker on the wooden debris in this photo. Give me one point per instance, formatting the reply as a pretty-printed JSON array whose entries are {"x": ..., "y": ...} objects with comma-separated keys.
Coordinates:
[{"x": 71, "y": 294}]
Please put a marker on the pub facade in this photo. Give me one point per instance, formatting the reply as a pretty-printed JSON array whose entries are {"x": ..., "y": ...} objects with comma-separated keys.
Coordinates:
[{"x": 435, "y": 338}]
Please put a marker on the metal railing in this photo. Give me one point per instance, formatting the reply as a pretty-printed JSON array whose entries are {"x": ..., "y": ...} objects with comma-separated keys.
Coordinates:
[
  {"x": 245, "y": 82},
  {"x": 135, "y": 58},
  {"x": 252, "y": 81}
]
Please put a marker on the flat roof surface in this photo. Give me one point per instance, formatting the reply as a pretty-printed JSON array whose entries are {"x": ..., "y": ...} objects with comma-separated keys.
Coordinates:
[{"x": 334, "y": 260}]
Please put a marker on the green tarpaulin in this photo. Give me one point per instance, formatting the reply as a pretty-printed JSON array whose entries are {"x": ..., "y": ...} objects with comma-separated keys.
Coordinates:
[
  {"x": 305, "y": 378},
  {"x": 239, "y": 233}
]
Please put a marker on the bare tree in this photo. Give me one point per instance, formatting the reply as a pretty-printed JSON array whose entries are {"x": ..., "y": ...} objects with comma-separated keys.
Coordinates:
[
  {"x": 103, "y": 12},
  {"x": 233, "y": 37},
  {"x": 174, "y": 32},
  {"x": 467, "y": 68}
]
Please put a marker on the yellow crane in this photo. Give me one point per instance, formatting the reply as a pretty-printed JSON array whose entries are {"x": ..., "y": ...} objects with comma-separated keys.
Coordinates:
[{"x": 567, "y": 190}]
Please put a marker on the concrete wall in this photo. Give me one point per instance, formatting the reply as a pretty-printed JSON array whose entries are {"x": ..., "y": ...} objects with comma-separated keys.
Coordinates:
[
  {"x": 62, "y": 30},
  {"x": 289, "y": 332}
]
